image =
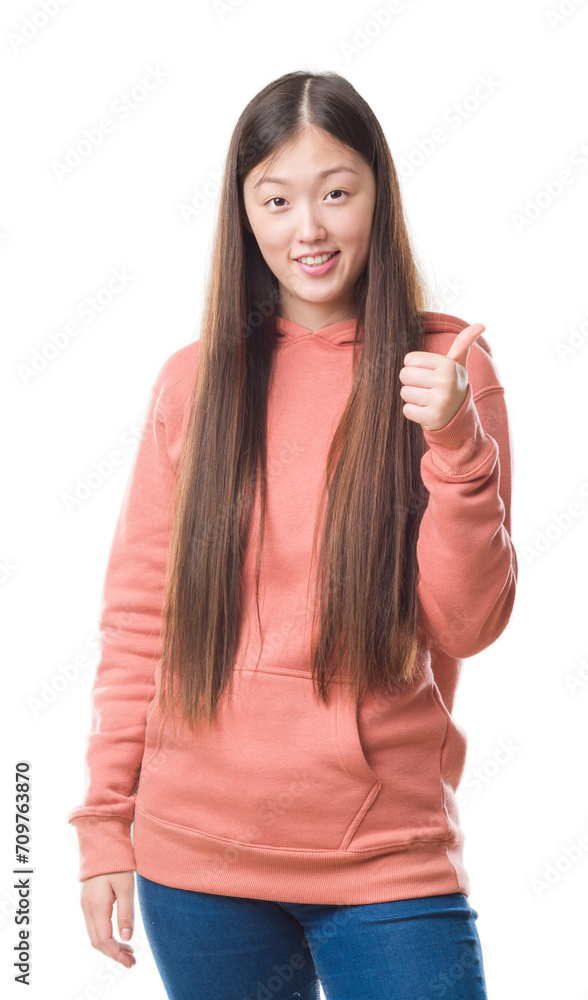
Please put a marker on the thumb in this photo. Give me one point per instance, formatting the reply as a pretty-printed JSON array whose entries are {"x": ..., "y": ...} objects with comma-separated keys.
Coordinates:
[
  {"x": 125, "y": 906},
  {"x": 460, "y": 347}
]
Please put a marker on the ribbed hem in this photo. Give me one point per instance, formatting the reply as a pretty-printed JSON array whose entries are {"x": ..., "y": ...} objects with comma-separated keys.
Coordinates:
[
  {"x": 183, "y": 858},
  {"x": 105, "y": 845}
]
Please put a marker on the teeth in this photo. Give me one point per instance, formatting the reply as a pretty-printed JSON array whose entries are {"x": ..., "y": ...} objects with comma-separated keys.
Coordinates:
[{"x": 317, "y": 260}]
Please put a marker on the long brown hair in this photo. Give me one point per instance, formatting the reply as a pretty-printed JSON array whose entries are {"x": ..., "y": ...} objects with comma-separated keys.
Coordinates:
[{"x": 366, "y": 604}]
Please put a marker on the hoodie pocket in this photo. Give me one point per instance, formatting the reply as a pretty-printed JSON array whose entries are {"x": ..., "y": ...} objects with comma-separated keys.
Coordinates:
[{"x": 278, "y": 769}]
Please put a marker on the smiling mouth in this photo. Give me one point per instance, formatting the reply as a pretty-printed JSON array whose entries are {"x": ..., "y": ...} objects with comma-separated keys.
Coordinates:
[{"x": 317, "y": 258}]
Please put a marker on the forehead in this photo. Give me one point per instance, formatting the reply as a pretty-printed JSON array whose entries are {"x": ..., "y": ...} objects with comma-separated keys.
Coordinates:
[
  {"x": 308, "y": 155},
  {"x": 290, "y": 167}
]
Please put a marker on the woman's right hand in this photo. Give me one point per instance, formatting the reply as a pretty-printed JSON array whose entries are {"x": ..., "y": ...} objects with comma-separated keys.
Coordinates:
[{"x": 97, "y": 898}]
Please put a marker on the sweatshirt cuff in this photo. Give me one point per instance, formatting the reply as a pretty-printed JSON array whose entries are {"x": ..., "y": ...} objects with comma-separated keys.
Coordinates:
[
  {"x": 105, "y": 845},
  {"x": 461, "y": 447}
]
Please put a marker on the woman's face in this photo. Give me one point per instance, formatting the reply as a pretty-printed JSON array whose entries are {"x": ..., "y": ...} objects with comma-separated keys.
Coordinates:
[{"x": 316, "y": 197}]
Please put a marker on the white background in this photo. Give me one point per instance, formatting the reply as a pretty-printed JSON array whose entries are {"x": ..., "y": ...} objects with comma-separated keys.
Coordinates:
[{"x": 482, "y": 220}]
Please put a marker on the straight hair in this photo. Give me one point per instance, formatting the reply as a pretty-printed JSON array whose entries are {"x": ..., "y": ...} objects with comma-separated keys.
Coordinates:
[{"x": 365, "y": 609}]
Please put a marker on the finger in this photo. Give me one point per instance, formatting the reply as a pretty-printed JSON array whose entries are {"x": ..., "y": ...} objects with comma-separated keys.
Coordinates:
[
  {"x": 125, "y": 900},
  {"x": 464, "y": 341},
  {"x": 90, "y": 926},
  {"x": 413, "y": 394},
  {"x": 424, "y": 359},
  {"x": 105, "y": 941},
  {"x": 422, "y": 377},
  {"x": 415, "y": 412}
]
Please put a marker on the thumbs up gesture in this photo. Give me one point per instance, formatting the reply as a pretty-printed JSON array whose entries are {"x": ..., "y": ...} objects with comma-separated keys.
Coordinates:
[{"x": 435, "y": 385}]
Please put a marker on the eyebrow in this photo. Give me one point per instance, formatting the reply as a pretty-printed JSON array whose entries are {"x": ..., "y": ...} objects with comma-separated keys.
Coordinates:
[{"x": 324, "y": 173}]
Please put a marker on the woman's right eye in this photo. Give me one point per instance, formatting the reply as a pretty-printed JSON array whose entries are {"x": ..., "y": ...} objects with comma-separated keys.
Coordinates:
[{"x": 277, "y": 198}]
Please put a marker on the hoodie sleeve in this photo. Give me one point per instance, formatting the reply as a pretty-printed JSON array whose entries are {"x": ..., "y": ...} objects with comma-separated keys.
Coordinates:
[
  {"x": 467, "y": 561},
  {"x": 130, "y": 627}
]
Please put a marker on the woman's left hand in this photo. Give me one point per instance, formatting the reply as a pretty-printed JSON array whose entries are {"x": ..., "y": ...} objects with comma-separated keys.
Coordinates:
[{"x": 435, "y": 385}]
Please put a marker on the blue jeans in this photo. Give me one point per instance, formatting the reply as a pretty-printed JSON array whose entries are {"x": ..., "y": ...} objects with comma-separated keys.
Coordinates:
[{"x": 212, "y": 947}]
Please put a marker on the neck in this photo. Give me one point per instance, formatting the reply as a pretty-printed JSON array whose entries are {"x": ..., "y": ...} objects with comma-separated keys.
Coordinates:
[{"x": 316, "y": 316}]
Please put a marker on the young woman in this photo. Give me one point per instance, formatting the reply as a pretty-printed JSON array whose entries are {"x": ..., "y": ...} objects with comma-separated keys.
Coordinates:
[{"x": 315, "y": 533}]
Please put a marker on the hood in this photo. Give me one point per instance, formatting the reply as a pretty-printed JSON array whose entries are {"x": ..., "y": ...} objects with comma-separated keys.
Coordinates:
[{"x": 343, "y": 332}]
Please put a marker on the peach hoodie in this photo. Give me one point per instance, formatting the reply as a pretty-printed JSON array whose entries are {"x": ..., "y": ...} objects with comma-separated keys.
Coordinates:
[{"x": 289, "y": 799}]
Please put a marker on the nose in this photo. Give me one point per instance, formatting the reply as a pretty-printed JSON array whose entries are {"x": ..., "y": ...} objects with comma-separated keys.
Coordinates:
[{"x": 310, "y": 228}]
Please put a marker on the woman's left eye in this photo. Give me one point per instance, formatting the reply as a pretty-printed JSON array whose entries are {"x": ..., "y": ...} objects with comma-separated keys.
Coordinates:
[{"x": 339, "y": 191}]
